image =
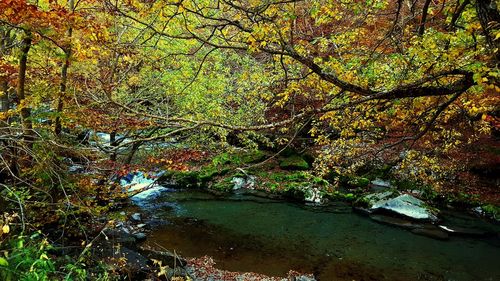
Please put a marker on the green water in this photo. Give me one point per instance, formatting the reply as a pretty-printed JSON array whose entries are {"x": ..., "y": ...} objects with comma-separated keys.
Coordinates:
[{"x": 265, "y": 236}]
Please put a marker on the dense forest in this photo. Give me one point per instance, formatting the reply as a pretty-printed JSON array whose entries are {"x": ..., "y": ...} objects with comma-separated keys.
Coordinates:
[{"x": 107, "y": 104}]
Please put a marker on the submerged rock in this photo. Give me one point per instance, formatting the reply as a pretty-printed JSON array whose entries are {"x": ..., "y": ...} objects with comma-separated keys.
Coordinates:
[
  {"x": 431, "y": 231},
  {"x": 404, "y": 204},
  {"x": 424, "y": 229},
  {"x": 456, "y": 230},
  {"x": 394, "y": 221}
]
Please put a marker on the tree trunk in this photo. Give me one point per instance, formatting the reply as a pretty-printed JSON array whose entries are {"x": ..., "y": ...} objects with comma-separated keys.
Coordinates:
[
  {"x": 21, "y": 94},
  {"x": 425, "y": 10},
  {"x": 113, "y": 143},
  {"x": 64, "y": 76},
  {"x": 4, "y": 98},
  {"x": 489, "y": 17},
  {"x": 62, "y": 93}
]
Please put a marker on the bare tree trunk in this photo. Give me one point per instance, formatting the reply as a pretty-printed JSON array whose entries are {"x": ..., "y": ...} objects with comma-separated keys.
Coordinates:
[
  {"x": 4, "y": 98},
  {"x": 21, "y": 93},
  {"x": 489, "y": 17},
  {"x": 133, "y": 150},
  {"x": 113, "y": 143},
  {"x": 5, "y": 46},
  {"x": 425, "y": 9},
  {"x": 64, "y": 76}
]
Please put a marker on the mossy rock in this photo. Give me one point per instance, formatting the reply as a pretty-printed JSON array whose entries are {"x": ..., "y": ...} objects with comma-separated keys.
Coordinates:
[
  {"x": 188, "y": 179},
  {"x": 255, "y": 156},
  {"x": 295, "y": 162},
  {"x": 338, "y": 195},
  {"x": 226, "y": 158},
  {"x": 208, "y": 173},
  {"x": 294, "y": 193},
  {"x": 289, "y": 151},
  {"x": 225, "y": 185},
  {"x": 358, "y": 182},
  {"x": 492, "y": 211},
  {"x": 309, "y": 157}
]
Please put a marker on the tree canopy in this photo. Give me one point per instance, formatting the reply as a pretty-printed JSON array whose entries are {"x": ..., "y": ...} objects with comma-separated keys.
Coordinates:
[{"x": 390, "y": 81}]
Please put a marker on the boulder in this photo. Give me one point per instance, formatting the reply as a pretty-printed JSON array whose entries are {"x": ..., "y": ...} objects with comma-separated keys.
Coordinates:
[
  {"x": 294, "y": 162},
  {"x": 403, "y": 205}
]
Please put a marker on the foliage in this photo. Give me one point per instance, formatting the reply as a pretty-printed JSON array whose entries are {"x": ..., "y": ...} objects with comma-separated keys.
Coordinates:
[
  {"x": 28, "y": 258},
  {"x": 412, "y": 86}
]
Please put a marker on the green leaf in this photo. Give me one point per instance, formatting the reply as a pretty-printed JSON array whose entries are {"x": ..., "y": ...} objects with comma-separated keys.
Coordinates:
[{"x": 4, "y": 262}]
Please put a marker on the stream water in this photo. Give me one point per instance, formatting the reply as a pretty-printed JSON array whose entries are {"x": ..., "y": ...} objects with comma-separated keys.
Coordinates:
[{"x": 245, "y": 233}]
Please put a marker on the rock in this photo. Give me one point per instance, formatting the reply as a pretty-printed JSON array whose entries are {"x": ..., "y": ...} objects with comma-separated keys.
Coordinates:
[
  {"x": 141, "y": 225},
  {"x": 359, "y": 182},
  {"x": 431, "y": 231},
  {"x": 136, "y": 264},
  {"x": 250, "y": 183},
  {"x": 136, "y": 217},
  {"x": 294, "y": 162},
  {"x": 121, "y": 237},
  {"x": 166, "y": 257},
  {"x": 381, "y": 183},
  {"x": 313, "y": 195},
  {"x": 394, "y": 221},
  {"x": 238, "y": 182},
  {"x": 404, "y": 204},
  {"x": 76, "y": 169},
  {"x": 455, "y": 230},
  {"x": 478, "y": 211},
  {"x": 140, "y": 236},
  {"x": 428, "y": 230}
]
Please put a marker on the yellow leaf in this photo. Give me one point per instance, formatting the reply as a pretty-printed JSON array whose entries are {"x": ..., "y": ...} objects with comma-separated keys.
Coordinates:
[{"x": 6, "y": 229}]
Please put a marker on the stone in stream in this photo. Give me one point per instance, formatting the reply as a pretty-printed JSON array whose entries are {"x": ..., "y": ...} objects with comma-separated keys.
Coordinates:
[
  {"x": 456, "y": 230},
  {"x": 431, "y": 231},
  {"x": 428, "y": 230},
  {"x": 394, "y": 221},
  {"x": 140, "y": 236},
  {"x": 404, "y": 205},
  {"x": 136, "y": 217}
]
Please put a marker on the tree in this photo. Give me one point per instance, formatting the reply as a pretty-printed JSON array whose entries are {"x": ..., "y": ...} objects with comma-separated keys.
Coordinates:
[{"x": 406, "y": 75}]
